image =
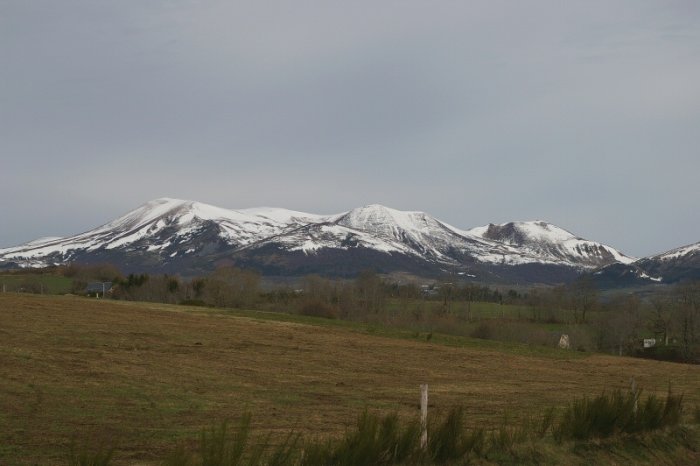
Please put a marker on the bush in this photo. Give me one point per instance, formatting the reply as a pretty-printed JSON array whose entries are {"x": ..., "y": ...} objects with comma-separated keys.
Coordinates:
[
  {"x": 317, "y": 308},
  {"x": 448, "y": 441},
  {"x": 484, "y": 331},
  {"x": 445, "y": 440},
  {"x": 387, "y": 440},
  {"x": 613, "y": 413},
  {"x": 193, "y": 302},
  {"x": 376, "y": 441},
  {"x": 217, "y": 447}
]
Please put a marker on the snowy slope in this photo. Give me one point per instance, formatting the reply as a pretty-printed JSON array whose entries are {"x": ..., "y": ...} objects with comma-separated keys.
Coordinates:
[
  {"x": 163, "y": 222},
  {"x": 550, "y": 243},
  {"x": 676, "y": 265},
  {"x": 176, "y": 234},
  {"x": 416, "y": 233},
  {"x": 679, "y": 253}
]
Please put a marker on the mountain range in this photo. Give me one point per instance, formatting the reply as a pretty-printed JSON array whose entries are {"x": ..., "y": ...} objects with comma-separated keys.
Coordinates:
[{"x": 191, "y": 238}]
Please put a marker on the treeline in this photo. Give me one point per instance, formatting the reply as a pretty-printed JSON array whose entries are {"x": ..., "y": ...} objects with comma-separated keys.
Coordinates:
[
  {"x": 613, "y": 323},
  {"x": 313, "y": 295},
  {"x": 670, "y": 316}
]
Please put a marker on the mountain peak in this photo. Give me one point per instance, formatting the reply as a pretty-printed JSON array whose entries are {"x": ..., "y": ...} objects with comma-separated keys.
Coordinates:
[
  {"x": 518, "y": 233},
  {"x": 545, "y": 239},
  {"x": 385, "y": 220},
  {"x": 688, "y": 250},
  {"x": 181, "y": 235}
]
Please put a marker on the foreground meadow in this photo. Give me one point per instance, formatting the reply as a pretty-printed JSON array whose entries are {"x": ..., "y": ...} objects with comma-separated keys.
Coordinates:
[{"x": 141, "y": 377}]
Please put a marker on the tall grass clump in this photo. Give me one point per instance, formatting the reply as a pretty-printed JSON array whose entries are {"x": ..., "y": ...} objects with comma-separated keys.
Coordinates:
[
  {"x": 389, "y": 440},
  {"x": 544, "y": 424},
  {"x": 83, "y": 457},
  {"x": 379, "y": 441},
  {"x": 449, "y": 440},
  {"x": 509, "y": 432},
  {"x": 285, "y": 453},
  {"x": 218, "y": 446},
  {"x": 615, "y": 412}
]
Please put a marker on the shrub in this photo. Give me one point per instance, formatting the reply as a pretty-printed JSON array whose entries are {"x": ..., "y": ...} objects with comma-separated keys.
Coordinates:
[
  {"x": 193, "y": 302},
  {"x": 285, "y": 453},
  {"x": 484, "y": 331},
  {"x": 218, "y": 449},
  {"x": 544, "y": 424},
  {"x": 388, "y": 440},
  {"x": 376, "y": 441},
  {"x": 317, "y": 308},
  {"x": 450, "y": 441},
  {"x": 612, "y": 413}
]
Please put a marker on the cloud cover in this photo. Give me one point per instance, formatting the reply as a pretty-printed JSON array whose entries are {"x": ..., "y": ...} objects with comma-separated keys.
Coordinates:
[{"x": 584, "y": 114}]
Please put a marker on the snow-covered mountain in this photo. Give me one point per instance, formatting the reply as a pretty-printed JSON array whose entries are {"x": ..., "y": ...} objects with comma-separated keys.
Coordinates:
[
  {"x": 190, "y": 237},
  {"x": 162, "y": 229},
  {"x": 551, "y": 243},
  {"x": 669, "y": 267}
]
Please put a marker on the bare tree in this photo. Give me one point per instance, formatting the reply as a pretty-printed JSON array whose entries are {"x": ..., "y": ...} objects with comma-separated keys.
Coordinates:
[{"x": 584, "y": 297}]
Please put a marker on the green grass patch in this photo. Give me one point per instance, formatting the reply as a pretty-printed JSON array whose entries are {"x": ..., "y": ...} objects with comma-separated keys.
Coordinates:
[
  {"x": 35, "y": 283},
  {"x": 399, "y": 333}
]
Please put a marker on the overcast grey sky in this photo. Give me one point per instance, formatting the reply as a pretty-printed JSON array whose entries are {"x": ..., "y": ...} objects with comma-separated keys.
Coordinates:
[{"x": 585, "y": 114}]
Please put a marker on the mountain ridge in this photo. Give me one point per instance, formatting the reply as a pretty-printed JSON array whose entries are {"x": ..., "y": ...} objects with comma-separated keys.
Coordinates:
[{"x": 189, "y": 237}]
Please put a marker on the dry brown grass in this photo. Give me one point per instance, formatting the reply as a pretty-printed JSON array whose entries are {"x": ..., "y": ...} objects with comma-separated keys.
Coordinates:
[{"x": 143, "y": 376}]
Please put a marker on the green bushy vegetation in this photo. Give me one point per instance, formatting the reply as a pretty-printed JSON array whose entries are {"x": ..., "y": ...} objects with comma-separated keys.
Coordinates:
[
  {"x": 389, "y": 440},
  {"x": 616, "y": 412},
  {"x": 37, "y": 283}
]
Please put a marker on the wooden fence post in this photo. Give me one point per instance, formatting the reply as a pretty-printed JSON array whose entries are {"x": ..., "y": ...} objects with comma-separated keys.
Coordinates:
[
  {"x": 424, "y": 416},
  {"x": 633, "y": 389}
]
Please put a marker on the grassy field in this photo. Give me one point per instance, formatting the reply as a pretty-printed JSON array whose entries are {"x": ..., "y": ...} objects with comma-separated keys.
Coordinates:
[
  {"x": 49, "y": 283},
  {"x": 142, "y": 376}
]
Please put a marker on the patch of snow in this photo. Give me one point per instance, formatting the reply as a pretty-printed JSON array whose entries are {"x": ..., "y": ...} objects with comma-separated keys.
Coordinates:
[
  {"x": 679, "y": 252},
  {"x": 40, "y": 241},
  {"x": 284, "y": 215},
  {"x": 648, "y": 277}
]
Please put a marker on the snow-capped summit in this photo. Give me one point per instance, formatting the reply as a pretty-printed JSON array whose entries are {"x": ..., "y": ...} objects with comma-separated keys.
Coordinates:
[
  {"x": 417, "y": 229},
  {"x": 676, "y": 265},
  {"x": 520, "y": 233},
  {"x": 387, "y": 221},
  {"x": 683, "y": 252},
  {"x": 237, "y": 226},
  {"x": 547, "y": 241},
  {"x": 191, "y": 237},
  {"x": 166, "y": 224}
]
